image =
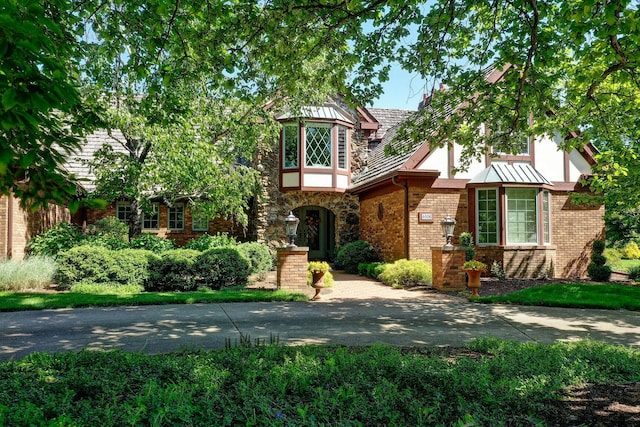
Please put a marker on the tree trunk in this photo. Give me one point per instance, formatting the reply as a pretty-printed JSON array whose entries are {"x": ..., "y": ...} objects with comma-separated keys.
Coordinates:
[{"x": 135, "y": 219}]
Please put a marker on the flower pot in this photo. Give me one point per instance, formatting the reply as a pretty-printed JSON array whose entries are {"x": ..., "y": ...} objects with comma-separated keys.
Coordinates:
[
  {"x": 317, "y": 283},
  {"x": 474, "y": 281}
]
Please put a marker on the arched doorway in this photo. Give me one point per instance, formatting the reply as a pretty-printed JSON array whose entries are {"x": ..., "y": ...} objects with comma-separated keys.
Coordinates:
[{"x": 317, "y": 231}]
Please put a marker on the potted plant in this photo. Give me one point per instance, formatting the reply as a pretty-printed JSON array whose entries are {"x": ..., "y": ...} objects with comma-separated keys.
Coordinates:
[
  {"x": 474, "y": 269},
  {"x": 317, "y": 271}
]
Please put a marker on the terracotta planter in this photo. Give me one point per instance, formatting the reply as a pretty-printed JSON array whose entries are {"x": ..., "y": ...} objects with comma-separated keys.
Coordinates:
[
  {"x": 474, "y": 281},
  {"x": 317, "y": 283}
]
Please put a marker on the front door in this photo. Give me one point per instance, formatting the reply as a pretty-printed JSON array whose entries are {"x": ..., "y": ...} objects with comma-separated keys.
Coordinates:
[{"x": 316, "y": 230}]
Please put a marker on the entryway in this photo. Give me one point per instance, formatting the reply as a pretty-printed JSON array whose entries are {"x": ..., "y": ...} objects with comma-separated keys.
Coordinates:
[{"x": 317, "y": 231}]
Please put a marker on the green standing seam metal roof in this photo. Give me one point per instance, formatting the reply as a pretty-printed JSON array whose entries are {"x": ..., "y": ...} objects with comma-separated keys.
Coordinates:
[
  {"x": 518, "y": 173},
  {"x": 313, "y": 112}
]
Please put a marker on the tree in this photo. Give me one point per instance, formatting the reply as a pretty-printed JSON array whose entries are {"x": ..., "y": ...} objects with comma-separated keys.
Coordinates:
[{"x": 41, "y": 113}]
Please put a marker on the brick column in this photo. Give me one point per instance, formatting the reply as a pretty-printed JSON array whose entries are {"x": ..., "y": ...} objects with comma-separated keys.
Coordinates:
[
  {"x": 292, "y": 270},
  {"x": 446, "y": 262}
]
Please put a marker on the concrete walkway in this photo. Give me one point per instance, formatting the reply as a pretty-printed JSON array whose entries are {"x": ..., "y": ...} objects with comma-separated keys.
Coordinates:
[{"x": 356, "y": 311}]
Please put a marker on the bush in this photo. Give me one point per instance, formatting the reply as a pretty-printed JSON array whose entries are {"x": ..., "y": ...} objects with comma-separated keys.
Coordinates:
[
  {"x": 259, "y": 256},
  {"x": 371, "y": 269},
  {"x": 630, "y": 251},
  {"x": 101, "y": 265},
  {"x": 151, "y": 242},
  {"x": 406, "y": 273},
  {"x": 35, "y": 272},
  {"x": 634, "y": 274},
  {"x": 597, "y": 270},
  {"x": 58, "y": 239},
  {"x": 222, "y": 267},
  {"x": 108, "y": 232},
  {"x": 206, "y": 242},
  {"x": 173, "y": 271},
  {"x": 613, "y": 255},
  {"x": 352, "y": 254}
]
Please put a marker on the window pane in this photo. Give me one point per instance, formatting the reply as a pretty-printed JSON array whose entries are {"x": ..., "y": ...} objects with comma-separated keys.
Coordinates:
[
  {"x": 200, "y": 223},
  {"x": 123, "y": 211},
  {"x": 487, "y": 226},
  {"x": 521, "y": 215},
  {"x": 176, "y": 217},
  {"x": 290, "y": 138},
  {"x": 318, "y": 146},
  {"x": 342, "y": 147},
  {"x": 150, "y": 221}
]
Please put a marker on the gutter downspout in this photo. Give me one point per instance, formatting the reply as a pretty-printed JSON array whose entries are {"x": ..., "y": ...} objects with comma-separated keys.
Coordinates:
[{"x": 405, "y": 187}]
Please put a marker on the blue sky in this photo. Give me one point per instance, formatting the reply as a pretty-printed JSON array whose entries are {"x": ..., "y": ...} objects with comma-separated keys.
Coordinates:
[{"x": 403, "y": 90}]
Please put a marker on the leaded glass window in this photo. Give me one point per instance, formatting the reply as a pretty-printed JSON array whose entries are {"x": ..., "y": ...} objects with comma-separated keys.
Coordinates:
[{"x": 318, "y": 145}]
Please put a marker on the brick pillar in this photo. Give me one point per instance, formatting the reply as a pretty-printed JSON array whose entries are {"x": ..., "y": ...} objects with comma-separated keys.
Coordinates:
[
  {"x": 446, "y": 262},
  {"x": 292, "y": 270}
]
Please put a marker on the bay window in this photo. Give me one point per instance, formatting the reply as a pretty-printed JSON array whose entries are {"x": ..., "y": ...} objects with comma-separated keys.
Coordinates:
[
  {"x": 488, "y": 218},
  {"x": 522, "y": 224},
  {"x": 318, "y": 145},
  {"x": 290, "y": 146}
]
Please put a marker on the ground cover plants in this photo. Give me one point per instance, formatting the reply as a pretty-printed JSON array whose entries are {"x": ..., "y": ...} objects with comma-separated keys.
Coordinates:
[
  {"x": 491, "y": 382},
  {"x": 577, "y": 295}
]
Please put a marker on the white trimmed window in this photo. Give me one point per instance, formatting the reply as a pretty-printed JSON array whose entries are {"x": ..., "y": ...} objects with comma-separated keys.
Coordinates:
[
  {"x": 522, "y": 224},
  {"x": 290, "y": 146},
  {"x": 487, "y": 216},
  {"x": 318, "y": 145},
  {"x": 123, "y": 211},
  {"x": 150, "y": 221},
  {"x": 176, "y": 217},
  {"x": 200, "y": 223}
]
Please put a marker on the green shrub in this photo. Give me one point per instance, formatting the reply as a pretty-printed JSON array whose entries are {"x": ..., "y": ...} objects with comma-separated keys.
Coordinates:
[
  {"x": 108, "y": 232},
  {"x": 101, "y": 265},
  {"x": 151, "y": 242},
  {"x": 328, "y": 279},
  {"x": 108, "y": 288},
  {"x": 222, "y": 267},
  {"x": 259, "y": 256},
  {"x": 173, "y": 271},
  {"x": 406, "y": 273},
  {"x": 630, "y": 251},
  {"x": 132, "y": 266},
  {"x": 35, "y": 272},
  {"x": 597, "y": 270},
  {"x": 466, "y": 240},
  {"x": 613, "y": 255},
  {"x": 371, "y": 269},
  {"x": 634, "y": 274},
  {"x": 352, "y": 254},
  {"x": 207, "y": 241},
  {"x": 57, "y": 239}
]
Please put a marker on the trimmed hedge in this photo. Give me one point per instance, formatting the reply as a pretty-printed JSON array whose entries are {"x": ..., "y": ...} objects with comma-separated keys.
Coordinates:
[
  {"x": 222, "y": 267},
  {"x": 173, "y": 271},
  {"x": 371, "y": 269},
  {"x": 354, "y": 253},
  {"x": 100, "y": 265},
  {"x": 207, "y": 241},
  {"x": 404, "y": 273},
  {"x": 259, "y": 256},
  {"x": 151, "y": 242}
]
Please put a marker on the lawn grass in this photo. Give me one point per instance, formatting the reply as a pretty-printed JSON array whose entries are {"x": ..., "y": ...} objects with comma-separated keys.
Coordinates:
[
  {"x": 578, "y": 295},
  {"x": 17, "y": 301},
  {"x": 491, "y": 382},
  {"x": 625, "y": 265}
]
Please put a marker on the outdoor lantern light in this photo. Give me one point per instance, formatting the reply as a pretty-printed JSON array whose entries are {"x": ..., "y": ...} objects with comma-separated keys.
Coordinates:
[
  {"x": 291, "y": 225},
  {"x": 448, "y": 224}
]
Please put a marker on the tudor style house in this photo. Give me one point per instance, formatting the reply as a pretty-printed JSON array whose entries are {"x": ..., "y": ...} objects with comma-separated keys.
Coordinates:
[{"x": 329, "y": 168}]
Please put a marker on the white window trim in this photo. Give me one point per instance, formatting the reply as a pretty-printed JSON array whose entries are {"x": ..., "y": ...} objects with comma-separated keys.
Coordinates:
[
  {"x": 156, "y": 209},
  {"x": 329, "y": 126},
  {"x": 537, "y": 222},
  {"x": 177, "y": 205},
  {"x": 498, "y": 221}
]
